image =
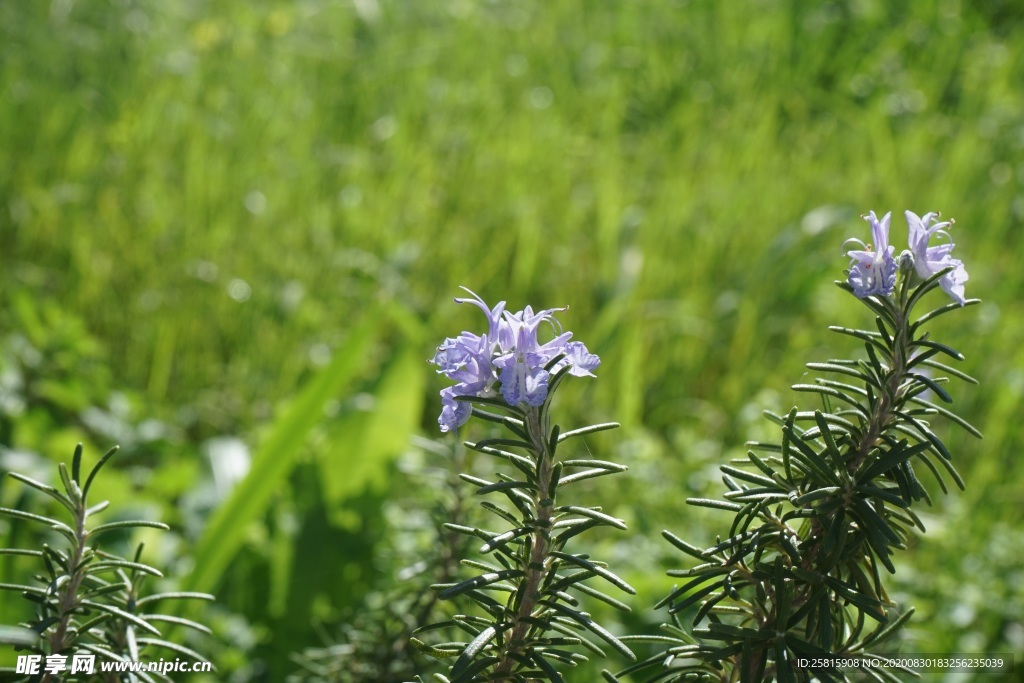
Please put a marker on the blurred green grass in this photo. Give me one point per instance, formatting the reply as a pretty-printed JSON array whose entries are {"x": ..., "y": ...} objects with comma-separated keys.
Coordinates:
[{"x": 222, "y": 192}]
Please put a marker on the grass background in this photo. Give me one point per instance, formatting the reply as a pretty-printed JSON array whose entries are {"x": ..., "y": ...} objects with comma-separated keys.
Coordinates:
[{"x": 230, "y": 232}]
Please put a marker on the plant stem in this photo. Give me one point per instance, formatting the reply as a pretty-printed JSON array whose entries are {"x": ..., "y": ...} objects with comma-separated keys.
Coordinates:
[
  {"x": 69, "y": 595},
  {"x": 537, "y": 565},
  {"x": 883, "y": 406}
]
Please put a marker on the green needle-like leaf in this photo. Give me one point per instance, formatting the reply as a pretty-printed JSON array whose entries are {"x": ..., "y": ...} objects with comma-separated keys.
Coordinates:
[
  {"x": 600, "y": 571},
  {"x": 117, "y": 612},
  {"x": 47, "y": 489},
  {"x": 594, "y": 514},
  {"x": 127, "y": 524},
  {"x": 587, "y": 430},
  {"x": 472, "y": 650},
  {"x": 478, "y": 582},
  {"x": 592, "y": 626},
  {"x": 95, "y": 470},
  {"x": 52, "y": 523}
]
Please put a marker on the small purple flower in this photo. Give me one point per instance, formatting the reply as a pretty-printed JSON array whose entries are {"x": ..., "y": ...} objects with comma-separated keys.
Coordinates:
[
  {"x": 509, "y": 354},
  {"x": 454, "y": 413},
  {"x": 465, "y": 359},
  {"x": 529, "y": 321},
  {"x": 930, "y": 260},
  {"x": 581, "y": 361},
  {"x": 493, "y": 315},
  {"x": 522, "y": 383},
  {"x": 873, "y": 272}
]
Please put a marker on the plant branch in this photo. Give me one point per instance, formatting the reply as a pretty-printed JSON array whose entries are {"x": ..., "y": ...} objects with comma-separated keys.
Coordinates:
[{"x": 536, "y": 567}]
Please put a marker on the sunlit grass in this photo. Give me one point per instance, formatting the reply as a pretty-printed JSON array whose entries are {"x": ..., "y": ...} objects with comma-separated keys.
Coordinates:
[{"x": 222, "y": 192}]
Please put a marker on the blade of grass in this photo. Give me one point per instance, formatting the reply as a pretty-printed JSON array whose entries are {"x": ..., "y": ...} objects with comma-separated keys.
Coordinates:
[{"x": 225, "y": 532}]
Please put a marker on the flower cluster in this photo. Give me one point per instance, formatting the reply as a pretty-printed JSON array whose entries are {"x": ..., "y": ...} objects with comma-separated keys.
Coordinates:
[
  {"x": 507, "y": 358},
  {"x": 930, "y": 260},
  {"x": 873, "y": 270}
]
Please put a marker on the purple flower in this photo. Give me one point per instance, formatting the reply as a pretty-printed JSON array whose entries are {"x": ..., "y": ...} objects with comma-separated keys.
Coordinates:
[
  {"x": 529, "y": 321},
  {"x": 523, "y": 375},
  {"x": 930, "y": 260},
  {"x": 873, "y": 272},
  {"x": 454, "y": 413},
  {"x": 581, "y": 361},
  {"x": 466, "y": 359},
  {"x": 493, "y": 315},
  {"x": 521, "y": 382},
  {"x": 509, "y": 353}
]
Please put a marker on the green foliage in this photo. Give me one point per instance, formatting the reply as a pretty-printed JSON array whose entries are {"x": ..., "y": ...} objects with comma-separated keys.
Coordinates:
[
  {"x": 531, "y": 626},
  {"x": 818, "y": 515},
  {"x": 676, "y": 169},
  {"x": 225, "y": 531},
  {"x": 87, "y": 599},
  {"x": 374, "y": 643}
]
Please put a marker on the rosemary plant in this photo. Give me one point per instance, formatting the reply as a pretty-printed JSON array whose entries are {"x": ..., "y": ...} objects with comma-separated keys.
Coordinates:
[
  {"x": 89, "y": 601},
  {"x": 529, "y": 625},
  {"x": 796, "y": 583}
]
